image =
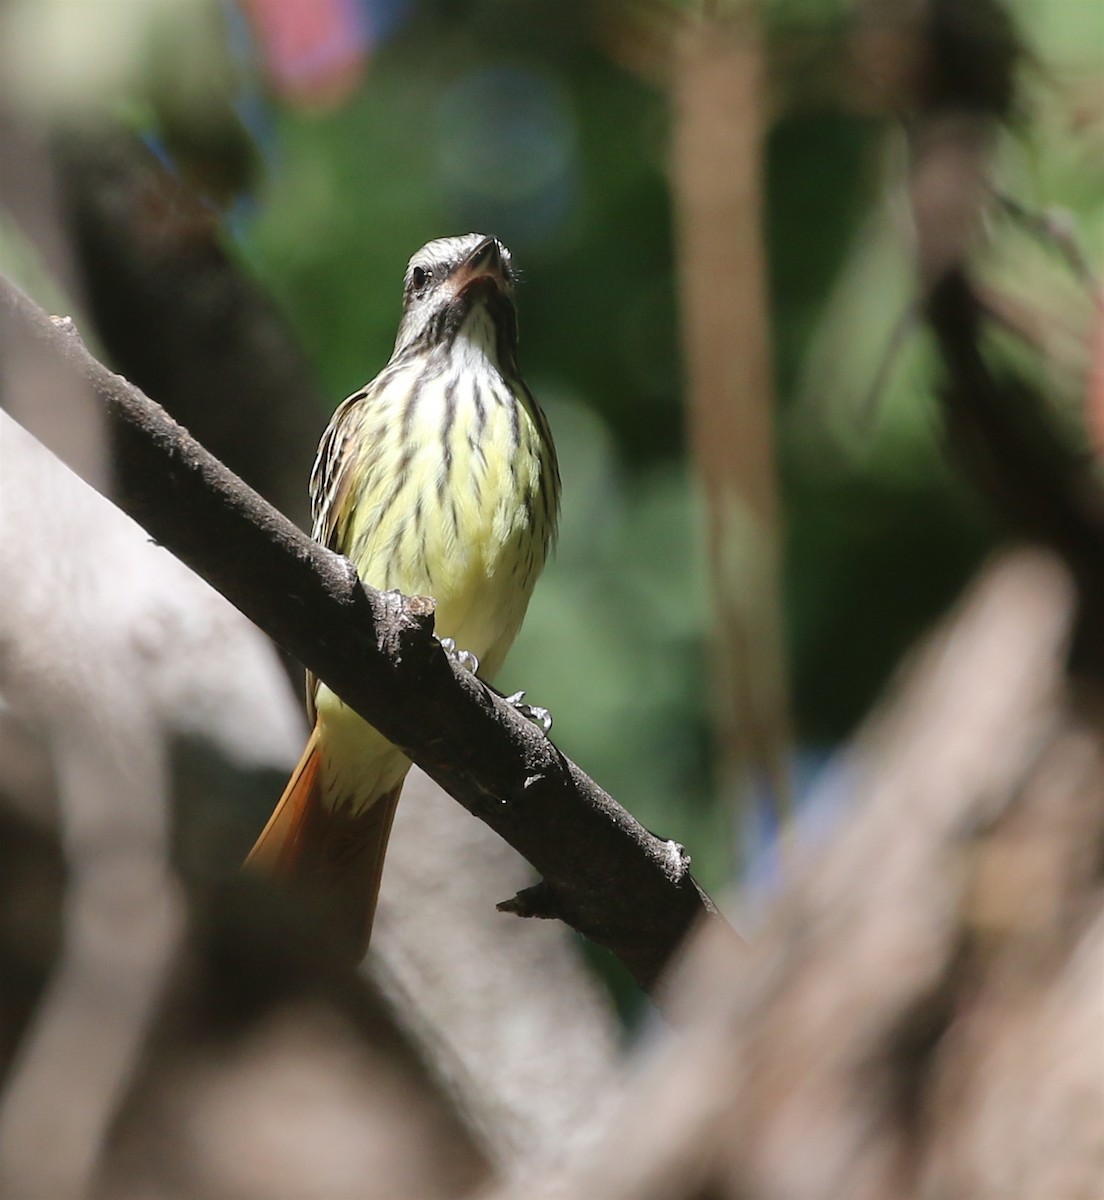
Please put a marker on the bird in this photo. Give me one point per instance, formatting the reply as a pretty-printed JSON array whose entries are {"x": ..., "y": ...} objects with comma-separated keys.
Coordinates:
[{"x": 439, "y": 478}]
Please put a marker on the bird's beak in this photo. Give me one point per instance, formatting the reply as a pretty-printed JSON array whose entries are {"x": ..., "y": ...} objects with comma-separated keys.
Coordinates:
[{"x": 484, "y": 263}]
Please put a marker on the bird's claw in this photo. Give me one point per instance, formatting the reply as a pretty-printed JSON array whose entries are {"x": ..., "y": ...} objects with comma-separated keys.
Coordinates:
[
  {"x": 462, "y": 658},
  {"x": 540, "y": 717}
]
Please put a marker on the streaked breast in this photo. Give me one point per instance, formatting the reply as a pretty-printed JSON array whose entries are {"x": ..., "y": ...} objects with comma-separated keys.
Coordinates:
[{"x": 455, "y": 498}]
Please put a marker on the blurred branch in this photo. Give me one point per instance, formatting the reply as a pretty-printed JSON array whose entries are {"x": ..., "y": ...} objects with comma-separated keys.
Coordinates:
[
  {"x": 179, "y": 318},
  {"x": 717, "y": 184},
  {"x": 604, "y": 874},
  {"x": 996, "y": 424},
  {"x": 918, "y": 1018},
  {"x": 1057, "y": 230},
  {"x": 999, "y": 429}
]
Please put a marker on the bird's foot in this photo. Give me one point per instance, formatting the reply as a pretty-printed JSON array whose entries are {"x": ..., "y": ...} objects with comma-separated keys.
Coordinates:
[
  {"x": 540, "y": 717},
  {"x": 462, "y": 658}
]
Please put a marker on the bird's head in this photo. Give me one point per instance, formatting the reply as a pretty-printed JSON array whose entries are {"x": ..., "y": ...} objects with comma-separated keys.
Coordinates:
[{"x": 459, "y": 287}]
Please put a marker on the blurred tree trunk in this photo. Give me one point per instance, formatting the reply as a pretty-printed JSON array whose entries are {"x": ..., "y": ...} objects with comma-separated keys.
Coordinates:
[
  {"x": 717, "y": 182},
  {"x": 179, "y": 318}
]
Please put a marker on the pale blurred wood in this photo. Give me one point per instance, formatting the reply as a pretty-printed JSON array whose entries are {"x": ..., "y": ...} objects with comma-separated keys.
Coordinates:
[
  {"x": 521, "y": 1031},
  {"x": 924, "y": 1016},
  {"x": 717, "y": 188},
  {"x": 111, "y": 650}
]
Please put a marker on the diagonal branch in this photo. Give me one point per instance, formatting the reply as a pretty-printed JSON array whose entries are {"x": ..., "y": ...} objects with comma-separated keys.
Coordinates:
[{"x": 603, "y": 873}]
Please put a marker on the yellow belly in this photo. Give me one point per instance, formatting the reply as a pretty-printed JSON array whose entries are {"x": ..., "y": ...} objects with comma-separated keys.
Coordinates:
[{"x": 358, "y": 763}]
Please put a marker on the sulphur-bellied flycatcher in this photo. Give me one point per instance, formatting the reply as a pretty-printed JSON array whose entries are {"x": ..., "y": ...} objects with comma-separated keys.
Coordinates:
[{"x": 438, "y": 478}]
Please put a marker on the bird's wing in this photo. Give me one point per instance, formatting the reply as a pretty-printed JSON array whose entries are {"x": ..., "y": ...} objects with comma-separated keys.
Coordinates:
[
  {"x": 331, "y": 491},
  {"x": 333, "y": 474}
]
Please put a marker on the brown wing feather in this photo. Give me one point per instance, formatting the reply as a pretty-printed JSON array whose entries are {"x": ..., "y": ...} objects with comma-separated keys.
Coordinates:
[
  {"x": 334, "y": 473},
  {"x": 331, "y": 485}
]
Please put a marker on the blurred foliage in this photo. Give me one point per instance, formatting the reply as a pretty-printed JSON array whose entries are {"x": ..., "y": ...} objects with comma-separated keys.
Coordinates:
[{"x": 546, "y": 122}]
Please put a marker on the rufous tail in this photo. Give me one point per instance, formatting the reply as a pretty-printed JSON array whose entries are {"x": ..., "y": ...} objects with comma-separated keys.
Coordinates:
[{"x": 327, "y": 850}]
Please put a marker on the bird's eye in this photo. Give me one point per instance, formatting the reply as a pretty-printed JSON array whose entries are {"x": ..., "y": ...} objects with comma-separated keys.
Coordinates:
[{"x": 419, "y": 277}]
